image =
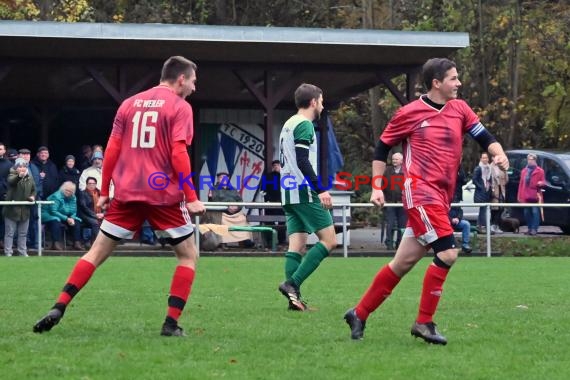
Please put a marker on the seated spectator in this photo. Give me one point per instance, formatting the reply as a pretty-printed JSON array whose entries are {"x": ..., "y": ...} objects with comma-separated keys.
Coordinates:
[
  {"x": 69, "y": 172},
  {"x": 21, "y": 187},
  {"x": 90, "y": 214},
  {"x": 63, "y": 212},
  {"x": 232, "y": 215},
  {"x": 461, "y": 225}
]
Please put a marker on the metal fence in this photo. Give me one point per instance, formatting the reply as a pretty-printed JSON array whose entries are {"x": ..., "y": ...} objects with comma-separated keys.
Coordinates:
[{"x": 344, "y": 209}]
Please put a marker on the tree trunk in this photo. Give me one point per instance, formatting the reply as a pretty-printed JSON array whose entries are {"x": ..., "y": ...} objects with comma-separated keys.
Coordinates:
[
  {"x": 484, "y": 79},
  {"x": 515, "y": 73}
]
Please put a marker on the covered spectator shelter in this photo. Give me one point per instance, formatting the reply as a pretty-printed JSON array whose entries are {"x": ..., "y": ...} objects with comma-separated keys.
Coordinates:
[{"x": 64, "y": 81}]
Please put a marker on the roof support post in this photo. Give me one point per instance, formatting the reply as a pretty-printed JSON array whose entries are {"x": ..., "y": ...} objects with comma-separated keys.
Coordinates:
[
  {"x": 123, "y": 91},
  {"x": 269, "y": 99},
  {"x": 411, "y": 80},
  {"x": 44, "y": 115}
]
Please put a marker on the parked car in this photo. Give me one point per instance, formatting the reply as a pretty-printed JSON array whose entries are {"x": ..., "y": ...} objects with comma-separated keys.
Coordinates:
[
  {"x": 469, "y": 213},
  {"x": 556, "y": 166}
]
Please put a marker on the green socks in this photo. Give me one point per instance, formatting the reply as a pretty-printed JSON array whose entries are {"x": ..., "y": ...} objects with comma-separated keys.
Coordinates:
[
  {"x": 310, "y": 262},
  {"x": 292, "y": 261}
]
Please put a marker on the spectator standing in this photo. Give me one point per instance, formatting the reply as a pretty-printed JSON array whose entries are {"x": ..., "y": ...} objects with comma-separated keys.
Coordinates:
[
  {"x": 84, "y": 158},
  {"x": 95, "y": 171},
  {"x": 531, "y": 182},
  {"x": 5, "y": 166},
  {"x": 48, "y": 171},
  {"x": 12, "y": 154},
  {"x": 395, "y": 216},
  {"x": 482, "y": 182},
  {"x": 499, "y": 179},
  {"x": 26, "y": 154},
  {"x": 69, "y": 172},
  {"x": 21, "y": 187}
]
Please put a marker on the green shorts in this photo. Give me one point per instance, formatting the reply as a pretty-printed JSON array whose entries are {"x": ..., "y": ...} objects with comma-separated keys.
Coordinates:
[{"x": 306, "y": 217}]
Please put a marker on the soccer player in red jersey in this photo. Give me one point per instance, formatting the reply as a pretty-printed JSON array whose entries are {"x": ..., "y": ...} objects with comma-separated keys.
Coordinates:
[
  {"x": 431, "y": 130},
  {"x": 147, "y": 160}
]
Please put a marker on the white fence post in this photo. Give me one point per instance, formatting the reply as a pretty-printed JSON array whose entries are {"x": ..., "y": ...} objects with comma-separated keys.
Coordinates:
[
  {"x": 488, "y": 228},
  {"x": 40, "y": 242}
]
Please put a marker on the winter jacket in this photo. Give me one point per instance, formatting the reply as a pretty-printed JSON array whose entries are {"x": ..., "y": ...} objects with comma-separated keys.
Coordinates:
[
  {"x": 5, "y": 166},
  {"x": 481, "y": 195},
  {"x": 528, "y": 193},
  {"x": 86, "y": 208},
  {"x": 71, "y": 175},
  {"x": 61, "y": 209},
  {"x": 19, "y": 189},
  {"x": 50, "y": 183}
]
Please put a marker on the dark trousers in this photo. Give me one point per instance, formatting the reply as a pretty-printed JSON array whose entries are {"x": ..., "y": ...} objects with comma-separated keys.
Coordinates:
[
  {"x": 55, "y": 228},
  {"x": 396, "y": 219},
  {"x": 33, "y": 228}
]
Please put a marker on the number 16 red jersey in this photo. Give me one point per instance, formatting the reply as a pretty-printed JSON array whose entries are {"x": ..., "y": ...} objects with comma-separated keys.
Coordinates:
[{"x": 148, "y": 124}]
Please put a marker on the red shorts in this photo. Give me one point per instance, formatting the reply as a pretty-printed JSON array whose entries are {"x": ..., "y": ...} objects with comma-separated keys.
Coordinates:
[
  {"x": 123, "y": 220},
  {"x": 428, "y": 223}
]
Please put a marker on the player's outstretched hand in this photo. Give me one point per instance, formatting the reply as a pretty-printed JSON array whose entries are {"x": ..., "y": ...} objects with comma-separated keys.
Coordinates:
[
  {"x": 196, "y": 208},
  {"x": 377, "y": 197},
  {"x": 326, "y": 199},
  {"x": 502, "y": 161}
]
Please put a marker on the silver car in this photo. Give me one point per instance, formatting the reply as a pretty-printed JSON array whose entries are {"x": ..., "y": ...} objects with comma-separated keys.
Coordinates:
[{"x": 469, "y": 213}]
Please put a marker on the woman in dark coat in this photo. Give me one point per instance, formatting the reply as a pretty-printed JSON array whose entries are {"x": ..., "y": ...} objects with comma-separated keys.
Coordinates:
[
  {"x": 69, "y": 172},
  {"x": 482, "y": 182}
]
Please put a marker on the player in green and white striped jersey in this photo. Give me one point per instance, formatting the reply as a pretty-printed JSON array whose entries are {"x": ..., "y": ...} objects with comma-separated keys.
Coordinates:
[{"x": 304, "y": 200}]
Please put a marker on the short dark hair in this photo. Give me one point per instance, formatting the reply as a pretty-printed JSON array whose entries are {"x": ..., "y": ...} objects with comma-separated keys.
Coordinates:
[
  {"x": 176, "y": 66},
  {"x": 305, "y": 93},
  {"x": 90, "y": 179},
  {"x": 435, "y": 68}
]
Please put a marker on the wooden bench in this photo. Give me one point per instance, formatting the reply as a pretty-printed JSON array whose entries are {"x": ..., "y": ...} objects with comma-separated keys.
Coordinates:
[{"x": 271, "y": 220}]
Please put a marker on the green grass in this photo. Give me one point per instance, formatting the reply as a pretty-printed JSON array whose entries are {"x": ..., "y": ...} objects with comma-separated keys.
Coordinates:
[{"x": 505, "y": 318}]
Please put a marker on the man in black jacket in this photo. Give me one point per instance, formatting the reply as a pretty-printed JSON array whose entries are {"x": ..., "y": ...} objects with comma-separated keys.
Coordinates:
[{"x": 48, "y": 172}]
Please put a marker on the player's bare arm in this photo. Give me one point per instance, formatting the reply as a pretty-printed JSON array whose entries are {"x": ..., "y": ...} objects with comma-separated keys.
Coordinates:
[
  {"x": 378, "y": 169},
  {"x": 499, "y": 156},
  {"x": 196, "y": 207}
]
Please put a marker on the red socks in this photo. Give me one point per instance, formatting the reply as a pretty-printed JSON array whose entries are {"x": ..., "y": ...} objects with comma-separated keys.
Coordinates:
[
  {"x": 431, "y": 292},
  {"x": 179, "y": 291},
  {"x": 381, "y": 287},
  {"x": 79, "y": 276}
]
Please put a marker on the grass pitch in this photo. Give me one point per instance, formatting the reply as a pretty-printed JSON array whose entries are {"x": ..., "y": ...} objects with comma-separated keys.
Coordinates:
[{"x": 505, "y": 318}]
